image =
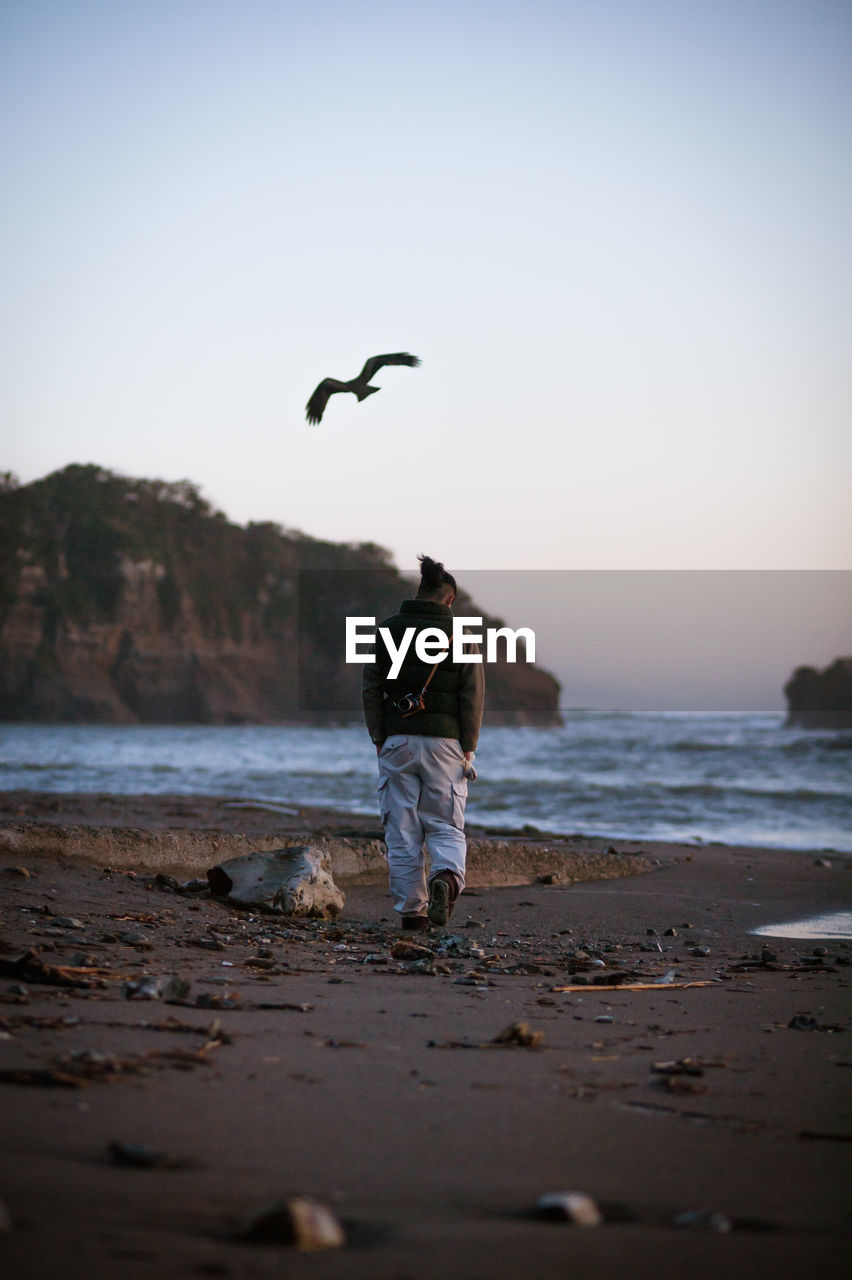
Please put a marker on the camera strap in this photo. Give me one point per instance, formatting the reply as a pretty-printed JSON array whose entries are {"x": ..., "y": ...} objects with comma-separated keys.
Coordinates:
[{"x": 428, "y": 678}]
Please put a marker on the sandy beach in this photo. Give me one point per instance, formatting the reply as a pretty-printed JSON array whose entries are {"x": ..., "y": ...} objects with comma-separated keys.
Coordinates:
[{"x": 707, "y": 1115}]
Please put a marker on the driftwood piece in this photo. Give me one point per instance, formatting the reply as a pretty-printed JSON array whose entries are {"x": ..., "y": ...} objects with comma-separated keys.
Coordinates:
[
  {"x": 295, "y": 881},
  {"x": 29, "y": 967},
  {"x": 86, "y": 1066},
  {"x": 759, "y": 966},
  {"x": 635, "y": 986}
]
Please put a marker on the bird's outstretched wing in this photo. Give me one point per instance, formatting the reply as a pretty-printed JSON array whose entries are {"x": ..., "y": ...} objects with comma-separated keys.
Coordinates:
[
  {"x": 375, "y": 363},
  {"x": 316, "y": 405}
]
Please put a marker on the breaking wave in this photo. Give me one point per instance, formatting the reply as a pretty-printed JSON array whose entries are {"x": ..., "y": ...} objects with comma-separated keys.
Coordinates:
[{"x": 742, "y": 779}]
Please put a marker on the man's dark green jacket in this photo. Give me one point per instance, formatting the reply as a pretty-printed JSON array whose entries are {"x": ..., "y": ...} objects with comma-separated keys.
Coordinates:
[{"x": 454, "y": 698}]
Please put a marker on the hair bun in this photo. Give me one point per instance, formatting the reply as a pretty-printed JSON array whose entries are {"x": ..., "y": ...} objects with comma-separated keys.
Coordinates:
[{"x": 432, "y": 573}]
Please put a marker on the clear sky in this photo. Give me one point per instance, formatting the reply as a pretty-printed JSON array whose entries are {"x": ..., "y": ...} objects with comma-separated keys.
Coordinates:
[
  {"x": 616, "y": 233},
  {"x": 675, "y": 640}
]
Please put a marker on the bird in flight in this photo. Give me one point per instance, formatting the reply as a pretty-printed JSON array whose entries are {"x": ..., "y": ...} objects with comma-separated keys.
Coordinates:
[{"x": 360, "y": 386}]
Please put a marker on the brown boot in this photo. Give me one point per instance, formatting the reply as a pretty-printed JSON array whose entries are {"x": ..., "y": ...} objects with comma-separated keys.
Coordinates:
[{"x": 443, "y": 891}]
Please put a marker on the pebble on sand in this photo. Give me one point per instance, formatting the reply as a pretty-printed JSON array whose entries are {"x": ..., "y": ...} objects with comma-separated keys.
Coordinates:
[
  {"x": 137, "y": 1155},
  {"x": 519, "y": 1033},
  {"x": 299, "y": 1221},
  {"x": 569, "y": 1206},
  {"x": 704, "y": 1221}
]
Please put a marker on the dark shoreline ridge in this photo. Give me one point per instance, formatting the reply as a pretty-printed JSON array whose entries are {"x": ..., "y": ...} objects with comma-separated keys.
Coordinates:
[
  {"x": 821, "y": 699},
  {"x": 129, "y": 601},
  {"x": 187, "y": 833}
]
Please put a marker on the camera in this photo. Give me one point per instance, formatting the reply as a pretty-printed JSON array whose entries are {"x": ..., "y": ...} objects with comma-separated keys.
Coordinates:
[{"x": 410, "y": 703}]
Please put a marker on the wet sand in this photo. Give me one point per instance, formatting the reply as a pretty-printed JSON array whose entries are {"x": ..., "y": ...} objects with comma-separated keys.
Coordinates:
[{"x": 376, "y": 1085}]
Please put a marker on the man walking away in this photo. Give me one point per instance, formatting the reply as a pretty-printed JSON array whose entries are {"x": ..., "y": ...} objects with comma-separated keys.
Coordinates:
[{"x": 425, "y": 735}]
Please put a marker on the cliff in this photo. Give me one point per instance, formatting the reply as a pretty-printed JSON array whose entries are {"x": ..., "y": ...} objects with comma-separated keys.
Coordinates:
[
  {"x": 821, "y": 699},
  {"x": 127, "y": 601}
]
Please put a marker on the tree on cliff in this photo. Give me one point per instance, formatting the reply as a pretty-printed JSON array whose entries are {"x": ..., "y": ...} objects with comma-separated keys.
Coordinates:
[{"x": 134, "y": 600}]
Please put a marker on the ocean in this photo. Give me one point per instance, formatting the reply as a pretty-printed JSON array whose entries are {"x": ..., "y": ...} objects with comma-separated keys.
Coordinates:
[{"x": 738, "y": 778}]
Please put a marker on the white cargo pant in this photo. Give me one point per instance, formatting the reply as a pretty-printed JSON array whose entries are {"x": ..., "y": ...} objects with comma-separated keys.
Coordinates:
[{"x": 422, "y": 795}]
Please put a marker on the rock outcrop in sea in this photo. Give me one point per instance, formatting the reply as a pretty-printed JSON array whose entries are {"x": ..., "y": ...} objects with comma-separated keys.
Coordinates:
[
  {"x": 133, "y": 601},
  {"x": 821, "y": 699}
]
